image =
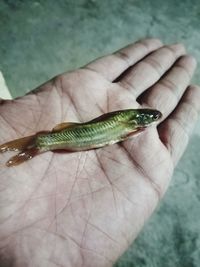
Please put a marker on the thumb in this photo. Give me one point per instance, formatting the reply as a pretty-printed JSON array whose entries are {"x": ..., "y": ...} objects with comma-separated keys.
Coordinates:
[{"x": 4, "y": 91}]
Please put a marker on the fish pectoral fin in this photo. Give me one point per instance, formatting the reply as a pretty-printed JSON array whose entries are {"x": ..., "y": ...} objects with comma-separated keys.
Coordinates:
[
  {"x": 135, "y": 132},
  {"x": 63, "y": 125}
]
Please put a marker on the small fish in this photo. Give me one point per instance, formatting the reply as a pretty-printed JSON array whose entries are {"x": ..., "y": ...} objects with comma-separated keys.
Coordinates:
[{"x": 107, "y": 129}]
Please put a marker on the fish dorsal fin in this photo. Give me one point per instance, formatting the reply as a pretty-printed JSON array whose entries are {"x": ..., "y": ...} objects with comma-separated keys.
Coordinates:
[
  {"x": 104, "y": 117},
  {"x": 63, "y": 125}
]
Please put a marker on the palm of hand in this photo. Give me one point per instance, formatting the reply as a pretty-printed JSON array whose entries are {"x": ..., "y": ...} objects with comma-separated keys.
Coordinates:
[{"x": 79, "y": 208}]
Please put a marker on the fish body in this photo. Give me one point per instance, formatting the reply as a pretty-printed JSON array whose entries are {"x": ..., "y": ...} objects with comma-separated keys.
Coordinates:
[{"x": 105, "y": 130}]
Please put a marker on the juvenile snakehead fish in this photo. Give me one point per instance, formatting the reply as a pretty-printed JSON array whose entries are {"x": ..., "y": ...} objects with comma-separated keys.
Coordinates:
[{"x": 107, "y": 129}]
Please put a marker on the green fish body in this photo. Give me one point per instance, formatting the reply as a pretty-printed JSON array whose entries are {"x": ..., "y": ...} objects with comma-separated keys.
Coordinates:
[{"x": 107, "y": 129}]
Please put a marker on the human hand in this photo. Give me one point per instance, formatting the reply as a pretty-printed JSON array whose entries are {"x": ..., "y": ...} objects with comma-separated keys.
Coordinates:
[{"x": 85, "y": 208}]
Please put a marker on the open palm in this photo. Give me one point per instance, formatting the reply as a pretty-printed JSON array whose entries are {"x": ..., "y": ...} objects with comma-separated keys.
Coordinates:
[{"x": 85, "y": 208}]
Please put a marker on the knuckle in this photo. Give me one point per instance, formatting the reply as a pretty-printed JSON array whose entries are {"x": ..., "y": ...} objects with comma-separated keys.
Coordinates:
[{"x": 123, "y": 56}]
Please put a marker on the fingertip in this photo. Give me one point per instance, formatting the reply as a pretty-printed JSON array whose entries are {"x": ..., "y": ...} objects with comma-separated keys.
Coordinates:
[
  {"x": 192, "y": 95},
  {"x": 189, "y": 60},
  {"x": 178, "y": 47},
  {"x": 151, "y": 42},
  {"x": 187, "y": 65},
  {"x": 192, "y": 60}
]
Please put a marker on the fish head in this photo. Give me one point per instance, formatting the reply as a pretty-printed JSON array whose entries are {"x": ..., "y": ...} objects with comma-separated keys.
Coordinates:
[{"x": 145, "y": 117}]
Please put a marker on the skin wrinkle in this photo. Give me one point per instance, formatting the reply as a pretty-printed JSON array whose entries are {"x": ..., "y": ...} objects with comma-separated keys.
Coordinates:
[
  {"x": 177, "y": 121},
  {"x": 171, "y": 86},
  {"x": 43, "y": 105},
  {"x": 56, "y": 235},
  {"x": 16, "y": 232},
  {"x": 108, "y": 184},
  {"x": 31, "y": 128},
  {"x": 100, "y": 188},
  {"x": 28, "y": 201},
  {"x": 88, "y": 217},
  {"x": 89, "y": 185},
  {"x": 75, "y": 198},
  {"x": 84, "y": 234},
  {"x": 54, "y": 90},
  {"x": 99, "y": 254},
  {"x": 58, "y": 89},
  {"x": 125, "y": 196},
  {"x": 194, "y": 110},
  {"x": 64, "y": 238},
  {"x": 71, "y": 191},
  {"x": 124, "y": 57},
  {"x": 10, "y": 126},
  {"x": 129, "y": 86},
  {"x": 101, "y": 231},
  {"x": 180, "y": 66},
  {"x": 34, "y": 112},
  {"x": 38, "y": 186},
  {"x": 154, "y": 186},
  {"x": 150, "y": 61},
  {"x": 57, "y": 264},
  {"x": 108, "y": 179},
  {"x": 70, "y": 96},
  {"x": 145, "y": 44},
  {"x": 89, "y": 69},
  {"x": 114, "y": 185},
  {"x": 11, "y": 215},
  {"x": 107, "y": 102},
  {"x": 108, "y": 86},
  {"x": 165, "y": 139},
  {"x": 55, "y": 202},
  {"x": 116, "y": 161},
  {"x": 152, "y": 68},
  {"x": 171, "y": 50},
  {"x": 174, "y": 95},
  {"x": 84, "y": 162},
  {"x": 172, "y": 146},
  {"x": 99, "y": 107},
  {"x": 111, "y": 184}
]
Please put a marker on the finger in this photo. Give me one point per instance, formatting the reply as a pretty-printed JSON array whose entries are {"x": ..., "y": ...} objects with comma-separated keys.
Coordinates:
[
  {"x": 114, "y": 65},
  {"x": 166, "y": 94},
  {"x": 148, "y": 71},
  {"x": 176, "y": 129}
]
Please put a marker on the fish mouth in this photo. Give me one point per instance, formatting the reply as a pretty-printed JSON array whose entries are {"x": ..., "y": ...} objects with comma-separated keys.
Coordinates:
[{"x": 156, "y": 115}]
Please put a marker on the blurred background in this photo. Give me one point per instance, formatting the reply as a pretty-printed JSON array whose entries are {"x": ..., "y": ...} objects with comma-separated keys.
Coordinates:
[{"x": 39, "y": 39}]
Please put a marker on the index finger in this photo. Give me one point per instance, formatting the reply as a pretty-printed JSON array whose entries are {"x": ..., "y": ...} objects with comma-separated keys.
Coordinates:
[{"x": 113, "y": 65}]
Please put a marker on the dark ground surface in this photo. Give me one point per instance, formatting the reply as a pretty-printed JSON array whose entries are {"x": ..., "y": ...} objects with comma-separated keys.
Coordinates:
[{"x": 40, "y": 39}]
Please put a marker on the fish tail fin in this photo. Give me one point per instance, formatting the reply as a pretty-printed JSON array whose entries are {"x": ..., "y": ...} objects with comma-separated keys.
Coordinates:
[
  {"x": 26, "y": 146},
  {"x": 24, "y": 155},
  {"x": 17, "y": 144}
]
